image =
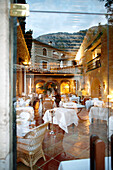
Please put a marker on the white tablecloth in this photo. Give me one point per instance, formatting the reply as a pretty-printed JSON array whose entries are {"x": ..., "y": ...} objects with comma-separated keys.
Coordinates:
[
  {"x": 89, "y": 103},
  {"x": 81, "y": 164},
  {"x": 71, "y": 105},
  {"x": 28, "y": 109},
  {"x": 23, "y": 128},
  {"x": 22, "y": 103},
  {"x": 63, "y": 117},
  {"x": 74, "y": 99},
  {"x": 110, "y": 126},
  {"x": 94, "y": 102},
  {"x": 98, "y": 113}
]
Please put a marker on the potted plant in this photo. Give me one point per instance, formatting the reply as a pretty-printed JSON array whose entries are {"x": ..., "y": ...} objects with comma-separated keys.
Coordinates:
[{"x": 47, "y": 87}]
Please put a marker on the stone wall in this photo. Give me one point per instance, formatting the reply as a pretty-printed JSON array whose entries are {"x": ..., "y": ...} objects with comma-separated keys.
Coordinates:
[
  {"x": 100, "y": 74},
  {"x": 4, "y": 87}
]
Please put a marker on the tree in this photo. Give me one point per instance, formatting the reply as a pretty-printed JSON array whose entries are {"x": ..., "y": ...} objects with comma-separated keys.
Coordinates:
[
  {"x": 108, "y": 3},
  {"x": 109, "y": 7}
]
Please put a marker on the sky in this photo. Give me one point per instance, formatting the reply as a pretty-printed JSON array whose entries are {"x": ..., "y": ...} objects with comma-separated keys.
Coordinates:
[{"x": 44, "y": 23}]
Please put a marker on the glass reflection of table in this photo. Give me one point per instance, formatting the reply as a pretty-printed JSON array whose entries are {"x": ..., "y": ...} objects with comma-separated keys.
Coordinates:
[
  {"x": 72, "y": 105},
  {"x": 52, "y": 112},
  {"x": 100, "y": 113},
  {"x": 79, "y": 108}
]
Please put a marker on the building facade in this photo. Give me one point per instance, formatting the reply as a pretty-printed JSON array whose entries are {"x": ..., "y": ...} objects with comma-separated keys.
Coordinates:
[
  {"x": 93, "y": 55},
  {"x": 49, "y": 64},
  {"x": 95, "y": 76}
]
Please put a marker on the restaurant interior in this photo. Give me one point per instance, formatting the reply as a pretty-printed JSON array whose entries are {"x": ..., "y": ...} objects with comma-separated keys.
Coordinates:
[{"x": 64, "y": 97}]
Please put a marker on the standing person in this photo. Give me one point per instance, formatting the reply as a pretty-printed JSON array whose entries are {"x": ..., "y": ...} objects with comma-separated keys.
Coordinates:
[{"x": 57, "y": 98}]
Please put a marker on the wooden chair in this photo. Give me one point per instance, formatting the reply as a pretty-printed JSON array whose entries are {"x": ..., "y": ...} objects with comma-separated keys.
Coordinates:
[
  {"x": 97, "y": 153},
  {"x": 29, "y": 147},
  {"x": 47, "y": 104},
  {"x": 96, "y": 161}
]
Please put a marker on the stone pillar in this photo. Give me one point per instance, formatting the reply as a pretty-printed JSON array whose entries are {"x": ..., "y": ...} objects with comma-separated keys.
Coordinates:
[
  {"x": 5, "y": 121},
  {"x": 25, "y": 80},
  {"x": 20, "y": 82}
]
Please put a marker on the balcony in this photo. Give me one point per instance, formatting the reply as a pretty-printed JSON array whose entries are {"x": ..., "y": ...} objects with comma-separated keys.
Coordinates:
[
  {"x": 94, "y": 64},
  {"x": 68, "y": 70},
  {"x": 52, "y": 69}
]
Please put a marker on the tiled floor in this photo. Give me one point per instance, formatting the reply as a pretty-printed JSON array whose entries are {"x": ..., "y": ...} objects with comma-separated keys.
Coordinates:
[{"x": 68, "y": 146}]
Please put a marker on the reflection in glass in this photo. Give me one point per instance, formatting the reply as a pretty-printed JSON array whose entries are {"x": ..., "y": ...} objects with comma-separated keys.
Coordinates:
[{"x": 69, "y": 53}]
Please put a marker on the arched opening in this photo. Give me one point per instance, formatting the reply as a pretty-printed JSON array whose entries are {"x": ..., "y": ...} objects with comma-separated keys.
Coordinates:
[
  {"x": 65, "y": 87},
  {"x": 44, "y": 51},
  {"x": 38, "y": 89}
]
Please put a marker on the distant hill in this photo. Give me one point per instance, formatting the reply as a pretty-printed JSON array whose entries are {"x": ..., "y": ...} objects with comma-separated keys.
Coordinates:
[{"x": 69, "y": 42}]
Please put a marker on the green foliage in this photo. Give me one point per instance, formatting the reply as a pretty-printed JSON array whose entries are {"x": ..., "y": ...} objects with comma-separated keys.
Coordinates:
[
  {"x": 47, "y": 87},
  {"x": 109, "y": 7},
  {"x": 108, "y": 4}
]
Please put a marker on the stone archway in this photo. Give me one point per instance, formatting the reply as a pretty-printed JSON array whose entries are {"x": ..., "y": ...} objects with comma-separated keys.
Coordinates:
[
  {"x": 65, "y": 87},
  {"x": 96, "y": 88},
  {"x": 37, "y": 86}
]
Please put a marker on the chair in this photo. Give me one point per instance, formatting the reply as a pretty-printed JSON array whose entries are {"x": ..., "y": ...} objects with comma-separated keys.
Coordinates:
[
  {"x": 47, "y": 104},
  {"x": 97, "y": 153},
  {"x": 29, "y": 147},
  {"x": 97, "y": 158}
]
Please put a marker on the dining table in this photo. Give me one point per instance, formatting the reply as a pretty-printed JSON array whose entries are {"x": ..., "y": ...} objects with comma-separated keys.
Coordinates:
[
  {"x": 110, "y": 129},
  {"x": 73, "y": 105},
  {"x": 93, "y": 102},
  {"x": 100, "y": 113},
  {"x": 74, "y": 98},
  {"x": 62, "y": 117},
  {"x": 81, "y": 164},
  {"x": 24, "y": 124},
  {"x": 25, "y": 109}
]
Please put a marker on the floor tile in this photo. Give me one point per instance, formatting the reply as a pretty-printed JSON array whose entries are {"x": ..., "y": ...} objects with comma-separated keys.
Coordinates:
[
  {"x": 21, "y": 166},
  {"x": 41, "y": 161},
  {"x": 75, "y": 151},
  {"x": 51, "y": 165},
  {"x": 82, "y": 144},
  {"x": 56, "y": 149},
  {"x": 64, "y": 156},
  {"x": 68, "y": 146}
]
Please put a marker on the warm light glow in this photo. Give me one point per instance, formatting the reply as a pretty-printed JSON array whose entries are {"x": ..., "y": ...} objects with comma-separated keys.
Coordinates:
[
  {"x": 38, "y": 90},
  {"x": 78, "y": 56},
  {"x": 109, "y": 96},
  {"x": 64, "y": 88},
  {"x": 104, "y": 86},
  {"x": 25, "y": 62},
  {"x": 111, "y": 100},
  {"x": 84, "y": 93}
]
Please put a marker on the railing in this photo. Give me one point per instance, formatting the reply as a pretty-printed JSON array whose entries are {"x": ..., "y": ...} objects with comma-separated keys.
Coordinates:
[
  {"x": 94, "y": 64},
  {"x": 52, "y": 69},
  {"x": 68, "y": 70}
]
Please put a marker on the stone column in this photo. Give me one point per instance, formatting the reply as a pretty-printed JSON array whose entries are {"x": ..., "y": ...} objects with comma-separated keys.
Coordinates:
[
  {"x": 25, "y": 80},
  {"x": 5, "y": 121}
]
